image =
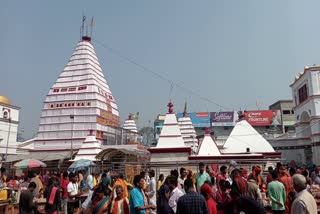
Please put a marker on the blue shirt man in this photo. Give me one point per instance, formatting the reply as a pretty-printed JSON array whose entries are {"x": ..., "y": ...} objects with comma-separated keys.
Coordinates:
[
  {"x": 137, "y": 205},
  {"x": 136, "y": 200}
]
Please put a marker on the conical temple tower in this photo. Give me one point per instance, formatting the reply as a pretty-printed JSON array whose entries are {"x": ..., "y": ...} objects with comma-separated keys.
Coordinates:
[
  {"x": 208, "y": 147},
  {"x": 187, "y": 130},
  {"x": 244, "y": 139},
  {"x": 79, "y": 100},
  {"x": 170, "y": 136},
  {"x": 89, "y": 148}
]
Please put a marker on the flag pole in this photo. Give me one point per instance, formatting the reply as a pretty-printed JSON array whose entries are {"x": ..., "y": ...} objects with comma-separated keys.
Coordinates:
[{"x": 91, "y": 26}]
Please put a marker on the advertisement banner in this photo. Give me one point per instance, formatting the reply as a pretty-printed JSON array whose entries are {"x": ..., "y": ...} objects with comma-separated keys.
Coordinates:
[
  {"x": 227, "y": 118},
  {"x": 263, "y": 117},
  {"x": 199, "y": 119}
]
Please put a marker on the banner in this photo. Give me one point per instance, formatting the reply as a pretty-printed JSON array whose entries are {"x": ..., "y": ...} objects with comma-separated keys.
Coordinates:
[
  {"x": 227, "y": 118},
  {"x": 199, "y": 119},
  {"x": 263, "y": 117}
]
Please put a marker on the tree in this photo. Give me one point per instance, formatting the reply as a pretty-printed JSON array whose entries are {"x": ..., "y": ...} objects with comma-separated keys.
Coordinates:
[{"x": 147, "y": 134}]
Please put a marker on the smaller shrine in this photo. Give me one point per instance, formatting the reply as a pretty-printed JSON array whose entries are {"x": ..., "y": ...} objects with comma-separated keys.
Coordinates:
[
  {"x": 89, "y": 149},
  {"x": 171, "y": 146},
  {"x": 188, "y": 133},
  {"x": 208, "y": 147}
]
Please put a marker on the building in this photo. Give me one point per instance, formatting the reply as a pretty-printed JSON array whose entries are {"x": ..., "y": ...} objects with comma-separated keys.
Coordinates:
[
  {"x": 303, "y": 145},
  {"x": 89, "y": 149},
  {"x": 9, "y": 122},
  {"x": 286, "y": 112},
  {"x": 244, "y": 144},
  {"x": 187, "y": 131},
  {"x": 79, "y": 100},
  {"x": 157, "y": 126}
]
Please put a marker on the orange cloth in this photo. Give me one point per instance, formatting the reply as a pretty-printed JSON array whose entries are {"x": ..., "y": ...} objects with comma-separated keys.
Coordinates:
[
  {"x": 287, "y": 182},
  {"x": 115, "y": 206},
  {"x": 121, "y": 182}
]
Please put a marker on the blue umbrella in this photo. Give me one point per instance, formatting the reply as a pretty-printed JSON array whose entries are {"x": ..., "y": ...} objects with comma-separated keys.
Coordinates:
[{"x": 81, "y": 165}]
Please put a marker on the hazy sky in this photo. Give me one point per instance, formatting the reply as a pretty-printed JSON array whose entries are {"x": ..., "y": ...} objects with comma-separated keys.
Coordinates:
[{"x": 231, "y": 52}]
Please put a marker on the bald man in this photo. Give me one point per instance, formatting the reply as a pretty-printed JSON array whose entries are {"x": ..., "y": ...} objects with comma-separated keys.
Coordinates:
[{"x": 304, "y": 202}]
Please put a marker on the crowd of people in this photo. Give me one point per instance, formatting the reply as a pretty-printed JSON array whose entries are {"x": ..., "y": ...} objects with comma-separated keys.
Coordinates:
[{"x": 229, "y": 190}]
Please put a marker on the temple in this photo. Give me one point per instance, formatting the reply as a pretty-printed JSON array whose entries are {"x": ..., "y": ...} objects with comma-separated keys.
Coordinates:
[
  {"x": 79, "y": 100},
  {"x": 9, "y": 122},
  {"x": 90, "y": 148},
  {"x": 208, "y": 147},
  {"x": 187, "y": 131},
  {"x": 245, "y": 139}
]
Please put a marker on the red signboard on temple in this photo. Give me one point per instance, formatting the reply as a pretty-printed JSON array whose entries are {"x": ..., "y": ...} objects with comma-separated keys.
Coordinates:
[{"x": 263, "y": 117}]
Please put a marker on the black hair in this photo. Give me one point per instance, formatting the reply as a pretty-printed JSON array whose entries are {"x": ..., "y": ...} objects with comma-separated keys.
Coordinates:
[
  {"x": 37, "y": 171},
  {"x": 152, "y": 173},
  {"x": 201, "y": 164},
  {"x": 72, "y": 175},
  {"x": 305, "y": 173},
  {"x": 160, "y": 176},
  {"x": 174, "y": 173},
  {"x": 121, "y": 176},
  {"x": 25, "y": 178},
  {"x": 3, "y": 170},
  {"x": 32, "y": 185},
  {"x": 182, "y": 170},
  {"x": 222, "y": 168},
  {"x": 292, "y": 171},
  {"x": 188, "y": 183},
  {"x": 143, "y": 173},
  {"x": 65, "y": 174},
  {"x": 224, "y": 183},
  {"x": 103, "y": 175},
  {"x": 213, "y": 180},
  {"x": 137, "y": 179},
  {"x": 270, "y": 168},
  {"x": 173, "y": 180},
  {"x": 274, "y": 174}
]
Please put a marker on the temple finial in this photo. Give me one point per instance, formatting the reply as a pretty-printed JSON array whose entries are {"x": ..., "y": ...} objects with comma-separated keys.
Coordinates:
[
  {"x": 85, "y": 37},
  {"x": 207, "y": 131},
  {"x": 170, "y": 105}
]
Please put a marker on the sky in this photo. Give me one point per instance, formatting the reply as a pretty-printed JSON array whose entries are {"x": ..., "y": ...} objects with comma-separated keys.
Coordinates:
[{"x": 233, "y": 53}]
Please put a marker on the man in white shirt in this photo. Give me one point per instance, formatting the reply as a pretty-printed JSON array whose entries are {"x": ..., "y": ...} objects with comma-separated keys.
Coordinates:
[
  {"x": 304, "y": 202},
  {"x": 73, "y": 192},
  {"x": 175, "y": 194},
  {"x": 152, "y": 189},
  {"x": 90, "y": 185}
]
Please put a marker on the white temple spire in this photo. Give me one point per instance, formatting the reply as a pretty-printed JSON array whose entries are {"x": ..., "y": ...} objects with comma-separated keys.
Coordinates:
[
  {"x": 208, "y": 147},
  {"x": 170, "y": 136},
  {"x": 81, "y": 90},
  {"x": 187, "y": 130}
]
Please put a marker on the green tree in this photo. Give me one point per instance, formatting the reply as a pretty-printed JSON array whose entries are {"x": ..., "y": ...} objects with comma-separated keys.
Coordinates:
[{"x": 147, "y": 134}]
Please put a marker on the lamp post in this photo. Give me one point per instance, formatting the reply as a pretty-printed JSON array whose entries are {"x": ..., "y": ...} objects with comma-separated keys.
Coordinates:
[
  {"x": 71, "y": 152},
  {"x": 9, "y": 120}
]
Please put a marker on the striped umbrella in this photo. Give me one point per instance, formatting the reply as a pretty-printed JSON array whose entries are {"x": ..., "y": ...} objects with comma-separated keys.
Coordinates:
[{"x": 29, "y": 163}]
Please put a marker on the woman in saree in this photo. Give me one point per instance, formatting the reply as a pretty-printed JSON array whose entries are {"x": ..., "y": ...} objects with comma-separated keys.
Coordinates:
[{"x": 101, "y": 200}]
